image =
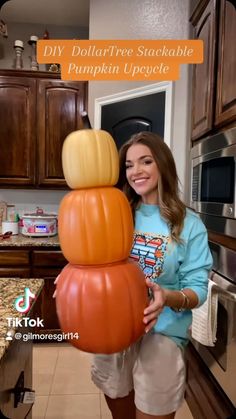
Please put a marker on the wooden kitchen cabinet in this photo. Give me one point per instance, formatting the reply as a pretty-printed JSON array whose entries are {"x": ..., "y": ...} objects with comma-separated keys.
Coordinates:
[
  {"x": 14, "y": 263},
  {"x": 45, "y": 263},
  {"x": 203, "y": 75},
  {"x": 16, "y": 367},
  {"x": 38, "y": 111},
  {"x": 17, "y": 130},
  {"x": 226, "y": 70},
  {"x": 204, "y": 396},
  {"x": 213, "y": 83},
  {"x": 15, "y": 355},
  {"x": 60, "y": 105}
]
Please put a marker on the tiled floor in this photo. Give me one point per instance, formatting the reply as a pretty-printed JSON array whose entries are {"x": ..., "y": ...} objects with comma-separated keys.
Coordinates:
[{"x": 64, "y": 390}]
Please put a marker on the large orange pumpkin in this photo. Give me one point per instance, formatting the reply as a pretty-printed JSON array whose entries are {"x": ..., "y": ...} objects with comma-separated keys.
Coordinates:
[
  {"x": 95, "y": 226},
  {"x": 103, "y": 304}
]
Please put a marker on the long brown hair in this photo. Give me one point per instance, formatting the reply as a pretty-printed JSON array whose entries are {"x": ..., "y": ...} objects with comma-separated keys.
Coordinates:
[{"x": 172, "y": 209}]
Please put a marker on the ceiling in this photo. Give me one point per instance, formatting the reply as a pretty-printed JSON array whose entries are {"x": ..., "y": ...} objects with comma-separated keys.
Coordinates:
[{"x": 56, "y": 12}]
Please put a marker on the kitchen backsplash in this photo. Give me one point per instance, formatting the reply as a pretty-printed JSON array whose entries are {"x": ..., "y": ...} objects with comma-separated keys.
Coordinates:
[{"x": 29, "y": 200}]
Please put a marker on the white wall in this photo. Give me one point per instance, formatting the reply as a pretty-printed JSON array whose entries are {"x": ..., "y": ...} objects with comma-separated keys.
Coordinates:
[
  {"x": 147, "y": 19},
  {"x": 28, "y": 200}
]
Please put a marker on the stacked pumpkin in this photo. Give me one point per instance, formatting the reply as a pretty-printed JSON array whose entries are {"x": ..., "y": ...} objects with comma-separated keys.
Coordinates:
[{"x": 101, "y": 294}]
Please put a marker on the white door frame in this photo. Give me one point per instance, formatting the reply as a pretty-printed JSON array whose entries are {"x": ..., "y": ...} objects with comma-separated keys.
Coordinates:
[{"x": 163, "y": 86}]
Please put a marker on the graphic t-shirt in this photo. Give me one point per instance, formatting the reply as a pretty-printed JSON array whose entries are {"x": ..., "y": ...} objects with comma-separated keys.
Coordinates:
[{"x": 172, "y": 265}]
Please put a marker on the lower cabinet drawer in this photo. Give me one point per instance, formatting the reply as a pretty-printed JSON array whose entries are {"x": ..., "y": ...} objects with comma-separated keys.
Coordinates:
[
  {"x": 14, "y": 257},
  {"x": 48, "y": 258},
  {"x": 38, "y": 272},
  {"x": 15, "y": 272}
]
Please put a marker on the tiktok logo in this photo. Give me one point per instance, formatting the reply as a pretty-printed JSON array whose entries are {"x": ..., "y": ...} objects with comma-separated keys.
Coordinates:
[{"x": 22, "y": 303}]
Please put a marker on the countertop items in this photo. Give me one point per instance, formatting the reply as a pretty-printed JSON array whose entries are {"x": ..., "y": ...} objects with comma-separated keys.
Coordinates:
[
  {"x": 39, "y": 224},
  {"x": 21, "y": 241},
  {"x": 10, "y": 289},
  {"x": 3, "y": 212},
  {"x": 11, "y": 226}
]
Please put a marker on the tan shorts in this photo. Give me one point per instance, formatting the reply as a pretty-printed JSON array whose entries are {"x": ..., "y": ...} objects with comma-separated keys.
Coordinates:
[{"x": 154, "y": 367}]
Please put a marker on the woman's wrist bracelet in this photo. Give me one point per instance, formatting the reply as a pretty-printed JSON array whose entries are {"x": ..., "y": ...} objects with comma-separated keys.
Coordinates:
[
  {"x": 185, "y": 301},
  {"x": 185, "y": 304}
]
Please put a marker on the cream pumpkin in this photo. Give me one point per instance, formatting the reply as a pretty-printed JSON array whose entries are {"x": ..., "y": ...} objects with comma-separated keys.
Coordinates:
[{"x": 90, "y": 159}]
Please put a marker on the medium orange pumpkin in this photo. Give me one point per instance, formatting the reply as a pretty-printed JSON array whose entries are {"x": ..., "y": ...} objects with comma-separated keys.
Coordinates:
[
  {"x": 95, "y": 226},
  {"x": 103, "y": 304}
]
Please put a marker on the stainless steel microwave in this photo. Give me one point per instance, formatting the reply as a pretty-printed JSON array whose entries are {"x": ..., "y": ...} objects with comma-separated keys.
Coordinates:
[{"x": 213, "y": 181}]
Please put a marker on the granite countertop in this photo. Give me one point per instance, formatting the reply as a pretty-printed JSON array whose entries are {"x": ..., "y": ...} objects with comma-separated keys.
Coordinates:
[
  {"x": 10, "y": 289},
  {"x": 25, "y": 241}
]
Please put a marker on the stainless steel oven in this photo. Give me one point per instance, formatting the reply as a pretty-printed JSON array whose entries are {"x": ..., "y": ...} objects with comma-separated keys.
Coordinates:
[
  {"x": 213, "y": 181},
  {"x": 221, "y": 359}
]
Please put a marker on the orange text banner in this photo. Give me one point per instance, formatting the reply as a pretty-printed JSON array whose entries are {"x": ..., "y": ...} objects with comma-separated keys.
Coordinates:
[{"x": 120, "y": 59}]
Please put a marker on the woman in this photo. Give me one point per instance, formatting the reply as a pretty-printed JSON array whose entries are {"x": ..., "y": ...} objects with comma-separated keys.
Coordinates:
[{"x": 170, "y": 244}]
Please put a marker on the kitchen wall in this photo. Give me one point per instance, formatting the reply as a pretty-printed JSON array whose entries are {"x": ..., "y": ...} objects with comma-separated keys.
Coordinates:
[
  {"x": 28, "y": 200},
  {"x": 148, "y": 19},
  {"x": 23, "y": 31}
]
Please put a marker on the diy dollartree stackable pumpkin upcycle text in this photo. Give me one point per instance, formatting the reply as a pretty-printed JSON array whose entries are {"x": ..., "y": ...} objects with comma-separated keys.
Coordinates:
[{"x": 101, "y": 294}]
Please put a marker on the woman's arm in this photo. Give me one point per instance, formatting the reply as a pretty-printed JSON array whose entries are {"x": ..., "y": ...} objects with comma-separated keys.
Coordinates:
[
  {"x": 193, "y": 277},
  {"x": 179, "y": 300},
  {"x": 184, "y": 299}
]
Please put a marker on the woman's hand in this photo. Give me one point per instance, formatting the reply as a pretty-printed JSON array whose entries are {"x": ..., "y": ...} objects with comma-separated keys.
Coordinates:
[
  {"x": 55, "y": 292},
  {"x": 156, "y": 305}
]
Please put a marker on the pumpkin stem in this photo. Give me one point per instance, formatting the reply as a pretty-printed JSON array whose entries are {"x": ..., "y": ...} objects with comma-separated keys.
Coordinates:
[{"x": 86, "y": 121}]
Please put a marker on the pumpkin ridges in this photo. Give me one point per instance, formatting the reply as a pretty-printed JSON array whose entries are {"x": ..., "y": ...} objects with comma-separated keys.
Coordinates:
[
  {"x": 123, "y": 220},
  {"x": 99, "y": 159},
  {"x": 66, "y": 299},
  {"x": 95, "y": 226},
  {"x": 132, "y": 307},
  {"x": 104, "y": 304},
  {"x": 109, "y": 249},
  {"x": 107, "y": 309},
  {"x": 136, "y": 296},
  {"x": 110, "y": 158},
  {"x": 90, "y": 148},
  {"x": 98, "y": 306},
  {"x": 72, "y": 219}
]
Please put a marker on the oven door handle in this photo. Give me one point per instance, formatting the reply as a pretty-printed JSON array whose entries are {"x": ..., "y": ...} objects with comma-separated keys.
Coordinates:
[{"x": 227, "y": 294}]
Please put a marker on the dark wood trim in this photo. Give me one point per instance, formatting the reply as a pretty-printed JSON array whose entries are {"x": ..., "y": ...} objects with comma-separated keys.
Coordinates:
[
  {"x": 203, "y": 88},
  {"x": 204, "y": 396},
  {"x": 54, "y": 258},
  {"x": 14, "y": 257},
  {"x": 199, "y": 9},
  {"x": 226, "y": 241},
  {"x": 225, "y": 109},
  {"x": 30, "y": 73}
]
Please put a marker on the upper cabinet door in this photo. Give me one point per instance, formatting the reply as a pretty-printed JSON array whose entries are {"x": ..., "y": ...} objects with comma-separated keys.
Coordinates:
[
  {"x": 59, "y": 112},
  {"x": 17, "y": 135},
  {"x": 226, "y": 77},
  {"x": 203, "y": 21}
]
